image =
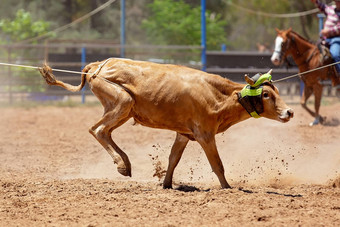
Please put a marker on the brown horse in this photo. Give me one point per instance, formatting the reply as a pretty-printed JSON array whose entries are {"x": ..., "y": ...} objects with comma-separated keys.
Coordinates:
[{"x": 307, "y": 56}]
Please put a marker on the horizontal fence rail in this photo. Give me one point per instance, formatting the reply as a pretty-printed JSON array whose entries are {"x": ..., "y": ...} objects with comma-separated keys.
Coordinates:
[
  {"x": 234, "y": 64},
  {"x": 19, "y": 84}
]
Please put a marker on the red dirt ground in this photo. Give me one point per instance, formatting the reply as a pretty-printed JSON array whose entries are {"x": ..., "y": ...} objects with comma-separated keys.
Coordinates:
[{"x": 54, "y": 173}]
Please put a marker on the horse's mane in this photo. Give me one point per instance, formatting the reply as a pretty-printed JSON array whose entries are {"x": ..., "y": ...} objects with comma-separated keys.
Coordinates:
[{"x": 301, "y": 37}]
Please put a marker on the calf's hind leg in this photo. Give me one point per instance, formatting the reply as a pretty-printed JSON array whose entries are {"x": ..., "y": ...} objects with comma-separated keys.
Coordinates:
[
  {"x": 102, "y": 132},
  {"x": 117, "y": 112}
]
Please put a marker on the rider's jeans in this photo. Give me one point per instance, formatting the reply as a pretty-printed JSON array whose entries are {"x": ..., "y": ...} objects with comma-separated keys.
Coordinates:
[{"x": 335, "y": 50}]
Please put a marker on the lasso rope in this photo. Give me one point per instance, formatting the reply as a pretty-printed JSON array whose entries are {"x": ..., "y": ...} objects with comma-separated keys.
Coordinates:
[
  {"x": 275, "y": 15},
  {"x": 76, "y": 21},
  {"x": 299, "y": 74},
  {"x": 78, "y": 72},
  {"x": 35, "y": 67},
  {"x": 66, "y": 71}
]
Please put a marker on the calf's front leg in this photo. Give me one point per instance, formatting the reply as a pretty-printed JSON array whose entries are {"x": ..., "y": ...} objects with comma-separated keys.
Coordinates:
[
  {"x": 175, "y": 155},
  {"x": 208, "y": 144}
]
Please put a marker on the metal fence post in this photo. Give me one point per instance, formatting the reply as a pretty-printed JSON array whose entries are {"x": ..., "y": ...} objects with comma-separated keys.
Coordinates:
[
  {"x": 223, "y": 47},
  {"x": 321, "y": 19},
  {"x": 122, "y": 28},
  {"x": 10, "y": 78},
  {"x": 83, "y": 63},
  {"x": 203, "y": 36}
]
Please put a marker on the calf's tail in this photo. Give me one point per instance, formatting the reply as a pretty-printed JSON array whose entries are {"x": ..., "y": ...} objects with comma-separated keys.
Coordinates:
[{"x": 50, "y": 79}]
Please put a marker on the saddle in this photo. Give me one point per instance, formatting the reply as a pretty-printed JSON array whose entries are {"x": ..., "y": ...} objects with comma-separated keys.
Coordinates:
[{"x": 325, "y": 57}]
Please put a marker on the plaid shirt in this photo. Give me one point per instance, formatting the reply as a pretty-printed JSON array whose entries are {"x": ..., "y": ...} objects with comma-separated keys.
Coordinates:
[{"x": 332, "y": 22}]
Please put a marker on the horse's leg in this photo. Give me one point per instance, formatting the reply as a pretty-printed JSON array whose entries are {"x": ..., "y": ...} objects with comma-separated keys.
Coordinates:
[
  {"x": 318, "y": 95},
  {"x": 307, "y": 92}
]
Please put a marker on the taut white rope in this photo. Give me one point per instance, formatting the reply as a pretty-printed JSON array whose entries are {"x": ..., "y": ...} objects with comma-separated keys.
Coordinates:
[
  {"x": 35, "y": 67},
  {"x": 299, "y": 74},
  {"x": 66, "y": 71},
  {"x": 284, "y": 15}
]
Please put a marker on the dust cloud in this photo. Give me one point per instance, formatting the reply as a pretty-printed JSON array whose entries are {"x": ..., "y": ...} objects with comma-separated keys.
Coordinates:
[{"x": 256, "y": 152}]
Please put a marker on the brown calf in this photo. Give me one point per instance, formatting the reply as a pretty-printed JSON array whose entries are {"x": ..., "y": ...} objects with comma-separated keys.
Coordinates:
[{"x": 194, "y": 104}]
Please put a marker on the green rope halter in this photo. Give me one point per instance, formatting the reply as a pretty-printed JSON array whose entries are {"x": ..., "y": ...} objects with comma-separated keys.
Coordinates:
[{"x": 250, "y": 96}]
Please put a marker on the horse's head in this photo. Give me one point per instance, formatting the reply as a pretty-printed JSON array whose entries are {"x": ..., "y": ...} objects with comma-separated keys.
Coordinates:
[{"x": 282, "y": 45}]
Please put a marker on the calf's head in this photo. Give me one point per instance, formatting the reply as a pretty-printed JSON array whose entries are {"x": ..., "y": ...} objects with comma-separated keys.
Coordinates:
[
  {"x": 261, "y": 99},
  {"x": 273, "y": 105}
]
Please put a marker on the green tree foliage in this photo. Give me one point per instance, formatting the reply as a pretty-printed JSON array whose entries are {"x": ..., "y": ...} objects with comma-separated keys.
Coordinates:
[
  {"x": 250, "y": 25},
  {"x": 22, "y": 27},
  {"x": 239, "y": 29},
  {"x": 178, "y": 23}
]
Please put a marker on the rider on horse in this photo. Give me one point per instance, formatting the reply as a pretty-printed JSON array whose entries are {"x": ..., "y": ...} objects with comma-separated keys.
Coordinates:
[{"x": 331, "y": 31}]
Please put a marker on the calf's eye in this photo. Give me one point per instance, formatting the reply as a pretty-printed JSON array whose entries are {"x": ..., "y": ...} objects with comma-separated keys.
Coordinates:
[{"x": 265, "y": 95}]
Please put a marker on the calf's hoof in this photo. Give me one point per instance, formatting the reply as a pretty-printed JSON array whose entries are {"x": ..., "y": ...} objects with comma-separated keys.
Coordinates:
[
  {"x": 167, "y": 186},
  {"x": 225, "y": 186},
  {"x": 122, "y": 169},
  {"x": 228, "y": 187}
]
